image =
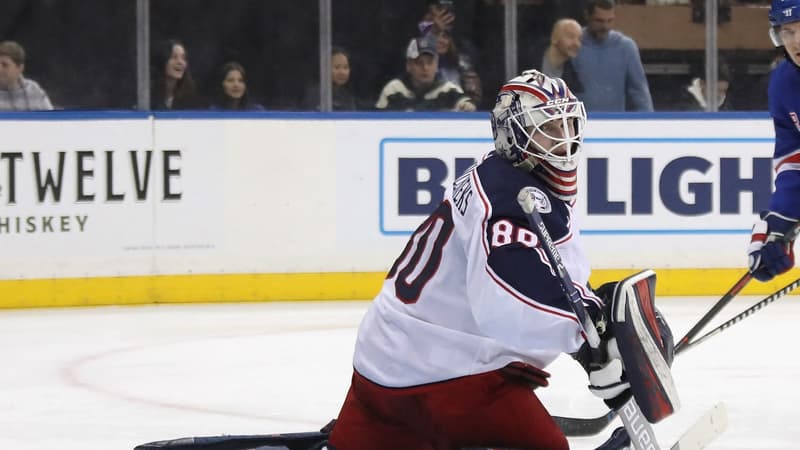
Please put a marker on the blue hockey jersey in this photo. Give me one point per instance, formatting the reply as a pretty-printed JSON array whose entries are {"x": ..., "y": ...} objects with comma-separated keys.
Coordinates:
[{"x": 784, "y": 107}]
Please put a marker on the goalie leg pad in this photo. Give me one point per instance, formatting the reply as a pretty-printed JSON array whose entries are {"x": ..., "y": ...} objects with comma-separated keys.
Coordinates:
[{"x": 645, "y": 344}]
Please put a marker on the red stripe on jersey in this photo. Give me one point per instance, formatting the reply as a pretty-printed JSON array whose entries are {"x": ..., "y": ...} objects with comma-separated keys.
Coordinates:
[
  {"x": 521, "y": 87},
  {"x": 788, "y": 159},
  {"x": 487, "y": 207}
]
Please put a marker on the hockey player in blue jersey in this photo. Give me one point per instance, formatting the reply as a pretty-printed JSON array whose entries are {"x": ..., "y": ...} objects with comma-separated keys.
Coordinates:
[{"x": 770, "y": 252}]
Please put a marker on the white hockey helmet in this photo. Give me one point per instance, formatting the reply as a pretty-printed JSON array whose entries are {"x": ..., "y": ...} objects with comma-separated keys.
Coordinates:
[
  {"x": 524, "y": 106},
  {"x": 532, "y": 104}
]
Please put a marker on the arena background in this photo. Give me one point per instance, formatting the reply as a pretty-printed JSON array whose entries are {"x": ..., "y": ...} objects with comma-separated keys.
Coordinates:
[{"x": 134, "y": 207}]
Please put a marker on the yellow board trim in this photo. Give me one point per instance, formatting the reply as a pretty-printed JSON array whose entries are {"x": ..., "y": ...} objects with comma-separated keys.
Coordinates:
[{"x": 222, "y": 288}]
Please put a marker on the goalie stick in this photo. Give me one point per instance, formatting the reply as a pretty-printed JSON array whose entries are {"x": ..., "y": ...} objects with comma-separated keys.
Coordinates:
[
  {"x": 700, "y": 434},
  {"x": 292, "y": 441},
  {"x": 704, "y": 430},
  {"x": 696, "y": 437},
  {"x": 575, "y": 426},
  {"x": 636, "y": 425}
]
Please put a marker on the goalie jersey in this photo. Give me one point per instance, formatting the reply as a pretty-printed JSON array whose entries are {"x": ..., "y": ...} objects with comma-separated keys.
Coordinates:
[{"x": 472, "y": 291}]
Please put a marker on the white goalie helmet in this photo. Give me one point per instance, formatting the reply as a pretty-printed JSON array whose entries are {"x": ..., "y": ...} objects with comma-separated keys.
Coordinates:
[{"x": 534, "y": 104}]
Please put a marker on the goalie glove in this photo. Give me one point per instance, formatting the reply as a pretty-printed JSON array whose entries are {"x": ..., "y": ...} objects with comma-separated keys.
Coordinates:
[
  {"x": 769, "y": 253},
  {"x": 608, "y": 379}
]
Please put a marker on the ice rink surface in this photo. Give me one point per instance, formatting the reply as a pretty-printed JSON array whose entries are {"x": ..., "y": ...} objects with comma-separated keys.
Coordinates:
[{"x": 113, "y": 377}]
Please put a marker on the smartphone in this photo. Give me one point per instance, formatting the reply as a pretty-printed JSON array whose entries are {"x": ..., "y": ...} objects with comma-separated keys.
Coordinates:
[{"x": 446, "y": 5}]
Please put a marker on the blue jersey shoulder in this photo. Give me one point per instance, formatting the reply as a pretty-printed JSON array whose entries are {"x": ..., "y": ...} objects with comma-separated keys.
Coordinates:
[
  {"x": 784, "y": 105},
  {"x": 510, "y": 260},
  {"x": 502, "y": 182}
]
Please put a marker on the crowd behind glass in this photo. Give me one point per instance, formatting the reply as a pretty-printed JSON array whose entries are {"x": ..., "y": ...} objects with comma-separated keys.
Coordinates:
[{"x": 416, "y": 55}]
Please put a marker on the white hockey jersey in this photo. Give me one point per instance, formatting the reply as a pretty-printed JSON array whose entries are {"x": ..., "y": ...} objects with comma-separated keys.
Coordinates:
[{"x": 472, "y": 291}]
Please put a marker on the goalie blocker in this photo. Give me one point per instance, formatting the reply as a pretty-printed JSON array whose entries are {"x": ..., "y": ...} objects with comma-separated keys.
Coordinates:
[{"x": 645, "y": 345}]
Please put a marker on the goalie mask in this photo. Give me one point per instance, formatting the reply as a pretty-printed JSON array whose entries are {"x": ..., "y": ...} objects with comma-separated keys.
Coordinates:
[{"x": 538, "y": 125}]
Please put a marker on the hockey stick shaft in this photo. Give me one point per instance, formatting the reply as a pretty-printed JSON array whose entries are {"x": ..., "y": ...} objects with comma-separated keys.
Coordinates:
[
  {"x": 527, "y": 200},
  {"x": 632, "y": 416},
  {"x": 715, "y": 309},
  {"x": 742, "y": 315},
  {"x": 732, "y": 292}
]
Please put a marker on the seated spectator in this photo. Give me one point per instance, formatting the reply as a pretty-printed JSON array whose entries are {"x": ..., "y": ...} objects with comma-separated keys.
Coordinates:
[
  {"x": 421, "y": 88},
  {"x": 18, "y": 93},
  {"x": 343, "y": 98},
  {"x": 232, "y": 89},
  {"x": 451, "y": 63},
  {"x": 438, "y": 23},
  {"x": 609, "y": 65},
  {"x": 171, "y": 83},
  {"x": 554, "y": 56},
  {"x": 693, "y": 96},
  {"x": 471, "y": 84}
]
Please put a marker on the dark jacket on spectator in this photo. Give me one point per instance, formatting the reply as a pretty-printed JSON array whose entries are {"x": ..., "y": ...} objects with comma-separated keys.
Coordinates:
[
  {"x": 399, "y": 95},
  {"x": 343, "y": 99}
]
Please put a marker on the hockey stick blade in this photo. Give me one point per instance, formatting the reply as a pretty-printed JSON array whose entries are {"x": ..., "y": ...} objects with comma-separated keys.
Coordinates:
[
  {"x": 704, "y": 430},
  {"x": 238, "y": 442},
  {"x": 579, "y": 427}
]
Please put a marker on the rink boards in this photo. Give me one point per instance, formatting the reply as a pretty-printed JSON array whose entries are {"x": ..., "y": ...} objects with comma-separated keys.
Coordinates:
[{"x": 128, "y": 208}]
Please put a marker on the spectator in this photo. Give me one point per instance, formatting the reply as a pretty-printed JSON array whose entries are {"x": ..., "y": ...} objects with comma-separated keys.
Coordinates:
[
  {"x": 171, "y": 81},
  {"x": 343, "y": 97},
  {"x": 554, "y": 57},
  {"x": 232, "y": 89},
  {"x": 457, "y": 55},
  {"x": 440, "y": 20},
  {"x": 452, "y": 64},
  {"x": 421, "y": 88},
  {"x": 609, "y": 66},
  {"x": 471, "y": 84},
  {"x": 18, "y": 93},
  {"x": 693, "y": 96}
]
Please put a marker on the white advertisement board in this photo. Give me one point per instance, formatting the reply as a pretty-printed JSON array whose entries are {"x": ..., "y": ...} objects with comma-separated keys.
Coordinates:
[
  {"x": 271, "y": 194},
  {"x": 94, "y": 197}
]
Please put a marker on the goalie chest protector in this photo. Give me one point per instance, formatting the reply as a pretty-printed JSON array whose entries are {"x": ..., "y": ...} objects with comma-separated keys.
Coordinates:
[{"x": 640, "y": 343}]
